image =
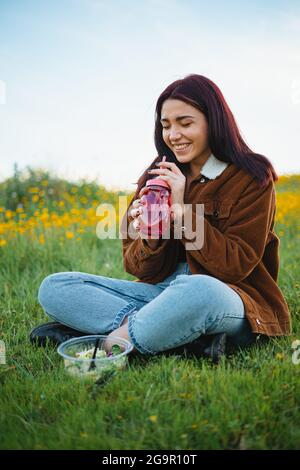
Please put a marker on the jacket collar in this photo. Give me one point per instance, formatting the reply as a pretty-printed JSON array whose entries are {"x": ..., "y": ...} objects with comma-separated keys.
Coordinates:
[{"x": 213, "y": 167}]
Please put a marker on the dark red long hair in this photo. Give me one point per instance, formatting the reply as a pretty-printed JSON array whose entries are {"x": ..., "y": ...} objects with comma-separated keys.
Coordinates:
[{"x": 224, "y": 138}]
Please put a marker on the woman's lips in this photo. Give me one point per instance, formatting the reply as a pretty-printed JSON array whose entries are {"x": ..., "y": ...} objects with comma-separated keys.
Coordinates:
[{"x": 183, "y": 149}]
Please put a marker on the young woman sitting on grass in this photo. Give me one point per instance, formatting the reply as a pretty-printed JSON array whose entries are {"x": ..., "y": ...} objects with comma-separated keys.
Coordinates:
[{"x": 187, "y": 297}]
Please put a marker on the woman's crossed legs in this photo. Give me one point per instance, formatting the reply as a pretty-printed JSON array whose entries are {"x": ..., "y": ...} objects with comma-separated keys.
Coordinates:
[{"x": 160, "y": 316}]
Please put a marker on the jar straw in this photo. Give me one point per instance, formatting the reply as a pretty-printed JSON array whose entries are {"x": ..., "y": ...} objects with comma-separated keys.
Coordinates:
[{"x": 93, "y": 365}]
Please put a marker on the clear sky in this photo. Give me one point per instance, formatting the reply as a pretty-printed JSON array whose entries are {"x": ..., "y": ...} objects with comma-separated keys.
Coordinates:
[{"x": 79, "y": 79}]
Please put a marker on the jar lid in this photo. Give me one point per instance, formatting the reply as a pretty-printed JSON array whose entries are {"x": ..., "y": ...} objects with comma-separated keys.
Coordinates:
[{"x": 158, "y": 182}]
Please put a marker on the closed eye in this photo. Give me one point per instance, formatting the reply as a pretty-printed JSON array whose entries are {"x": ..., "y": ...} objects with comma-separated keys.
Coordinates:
[{"x": 183, "y": 125}]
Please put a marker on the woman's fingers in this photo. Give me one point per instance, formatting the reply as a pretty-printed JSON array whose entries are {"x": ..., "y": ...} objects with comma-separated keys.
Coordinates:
[
  {"x": 170, "y": 165},
  {"x": 137, "y": 208},
  {"x": 136, "y": 202},
  {"x": 136, "y": 225},
  {"x": 142, "y": 191},
  {"x": 136, "y": 212}
]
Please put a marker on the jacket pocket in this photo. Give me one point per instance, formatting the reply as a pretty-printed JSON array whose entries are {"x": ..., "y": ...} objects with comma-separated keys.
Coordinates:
[{"x": 217, "y": 212}]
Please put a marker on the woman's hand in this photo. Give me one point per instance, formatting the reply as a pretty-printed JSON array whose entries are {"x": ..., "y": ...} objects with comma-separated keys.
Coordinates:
[
  {"x": 169, "y": 172},
  {"x": 121, "y": 332},
  {"x": 137, "y": 209}
]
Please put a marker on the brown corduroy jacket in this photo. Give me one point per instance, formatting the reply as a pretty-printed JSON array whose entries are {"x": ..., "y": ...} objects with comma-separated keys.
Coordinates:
[{"x": 240, "y": 246}]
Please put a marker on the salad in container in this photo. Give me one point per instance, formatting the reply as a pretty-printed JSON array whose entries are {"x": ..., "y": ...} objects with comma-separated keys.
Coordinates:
[{"x": 85, "y": 357}]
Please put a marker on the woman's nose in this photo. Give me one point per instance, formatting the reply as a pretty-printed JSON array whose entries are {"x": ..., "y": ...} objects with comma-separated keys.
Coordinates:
[{"x": 174, "y": 135}]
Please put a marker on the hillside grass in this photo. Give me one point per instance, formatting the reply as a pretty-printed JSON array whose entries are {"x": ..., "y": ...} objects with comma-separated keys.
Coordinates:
[{"x": 250, "y": 401}]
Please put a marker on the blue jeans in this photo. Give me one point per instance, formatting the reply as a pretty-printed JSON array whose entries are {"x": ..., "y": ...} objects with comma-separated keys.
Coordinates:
[{"x": 161, "y": 316}]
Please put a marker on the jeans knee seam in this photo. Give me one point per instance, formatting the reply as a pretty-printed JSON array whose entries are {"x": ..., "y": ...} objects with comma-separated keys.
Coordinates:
[
  {"x": 125, "y": 311},
  {"x": 136, "y": 344},
  {"x": 143, "y": 350}
]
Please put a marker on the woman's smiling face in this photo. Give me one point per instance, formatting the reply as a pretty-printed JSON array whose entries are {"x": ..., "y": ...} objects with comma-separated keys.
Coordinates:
[{"x": 184, "y": 124}]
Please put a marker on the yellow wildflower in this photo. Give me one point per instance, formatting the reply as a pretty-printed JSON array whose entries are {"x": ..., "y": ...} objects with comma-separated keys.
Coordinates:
[
  {"x": 185, "y": 395},
  {"x": 83, "y": 199},
  {"x": 44, "y": 216},
  {"x": 69, "y": 234},
  {"x": 9, "y": 214},
  {"x": 153, "y": 418}
]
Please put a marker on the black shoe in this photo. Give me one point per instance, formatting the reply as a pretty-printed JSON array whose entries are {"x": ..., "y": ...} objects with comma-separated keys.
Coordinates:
[
  {"x": 212, "y": 347},
  {"x": 217, "y": 348},
  {"x": 55, "y": 332}
]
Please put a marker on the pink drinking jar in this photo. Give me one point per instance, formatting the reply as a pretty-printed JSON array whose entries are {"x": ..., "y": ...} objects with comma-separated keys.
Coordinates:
[{"x": 156, "y": 201}]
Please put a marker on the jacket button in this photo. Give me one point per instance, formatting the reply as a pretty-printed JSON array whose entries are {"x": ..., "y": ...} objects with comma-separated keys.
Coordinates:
[
  {"x": 216, "y": 213},
  {"x": 202, "y": 180}
]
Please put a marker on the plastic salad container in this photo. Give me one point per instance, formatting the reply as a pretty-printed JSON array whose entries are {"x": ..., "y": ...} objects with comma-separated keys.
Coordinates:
[{"x": 78, "y": 356}]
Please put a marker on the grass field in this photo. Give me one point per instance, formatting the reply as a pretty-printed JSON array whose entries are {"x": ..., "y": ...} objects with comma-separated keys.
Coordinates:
[{"x": 250, "y": 401}]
